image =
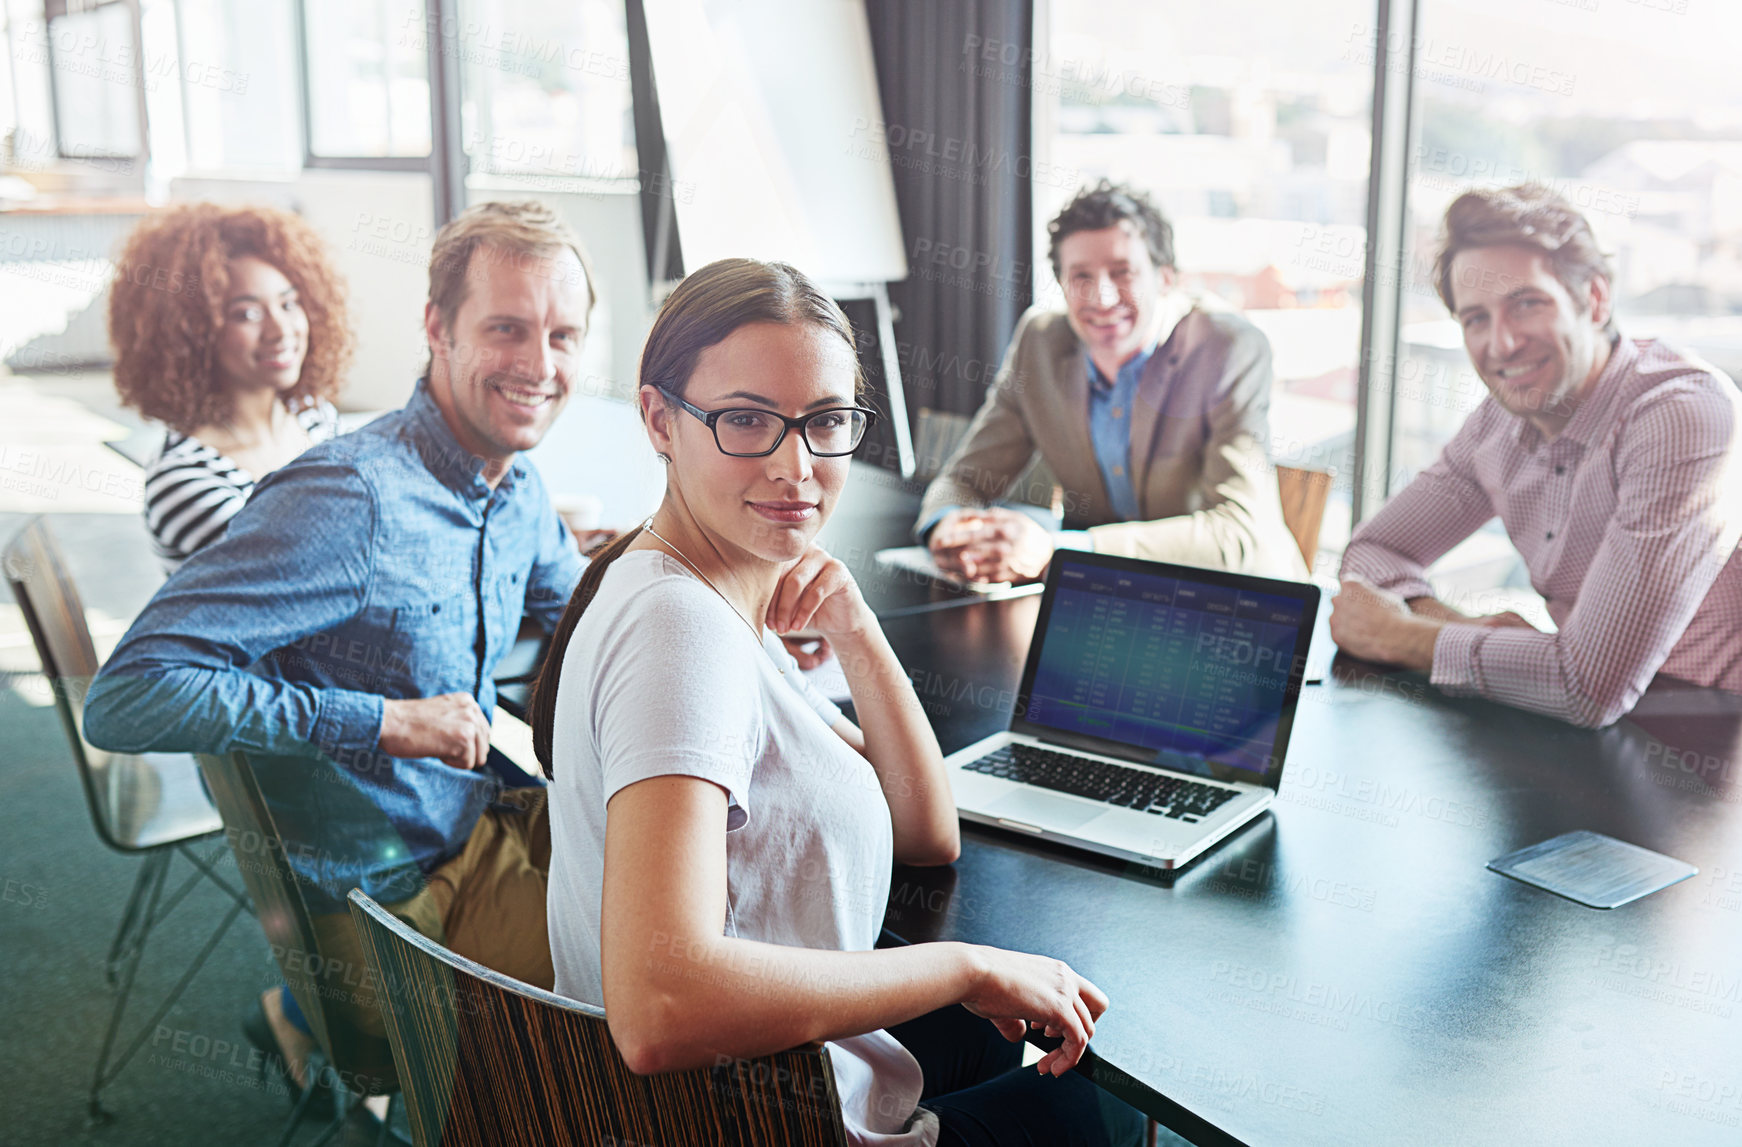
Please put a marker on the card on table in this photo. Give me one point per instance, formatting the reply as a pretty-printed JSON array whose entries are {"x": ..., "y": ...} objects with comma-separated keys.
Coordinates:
[{"x": 1592, "y": 869}]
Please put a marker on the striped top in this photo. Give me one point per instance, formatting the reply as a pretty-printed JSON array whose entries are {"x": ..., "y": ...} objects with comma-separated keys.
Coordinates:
[
  {"x": 1629, "y": 522},
  {"x": 192, "y": 491}
]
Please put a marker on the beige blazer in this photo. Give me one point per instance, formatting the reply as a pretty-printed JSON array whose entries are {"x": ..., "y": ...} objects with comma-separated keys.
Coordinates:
[{"x": 1200, "y": 428}]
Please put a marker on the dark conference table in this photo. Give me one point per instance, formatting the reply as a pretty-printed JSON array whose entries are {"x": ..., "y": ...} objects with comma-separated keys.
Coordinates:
[{"x": 1345, "y": 970}]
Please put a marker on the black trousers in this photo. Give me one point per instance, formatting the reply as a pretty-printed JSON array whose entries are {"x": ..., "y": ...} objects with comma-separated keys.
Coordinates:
[{"x": 984, "y": 1097}]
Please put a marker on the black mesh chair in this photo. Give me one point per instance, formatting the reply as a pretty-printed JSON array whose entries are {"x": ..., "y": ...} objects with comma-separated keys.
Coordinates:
[{"x": 148, "y": 805}]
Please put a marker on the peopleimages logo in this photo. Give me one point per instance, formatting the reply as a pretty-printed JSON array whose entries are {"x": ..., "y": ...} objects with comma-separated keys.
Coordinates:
[
  {"x": 950, "y": 157},
  {"x": 1458, "y": 64},
  {"x": 51, "y": 472},
  {"x": 1304, "y": 780},
  {"x": 1705, "y": 766}
]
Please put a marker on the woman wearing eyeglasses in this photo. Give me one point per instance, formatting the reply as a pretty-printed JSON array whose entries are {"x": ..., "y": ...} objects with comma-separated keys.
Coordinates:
[{"x": 722, "y": 836}]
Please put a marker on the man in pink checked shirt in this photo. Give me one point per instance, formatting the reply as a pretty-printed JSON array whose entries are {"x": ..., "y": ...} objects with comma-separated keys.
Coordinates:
[{"x": 1615, "y": 465}]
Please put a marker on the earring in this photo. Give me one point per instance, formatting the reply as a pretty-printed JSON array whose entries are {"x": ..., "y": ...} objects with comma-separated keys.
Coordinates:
[{"x": 664, "y": 459}]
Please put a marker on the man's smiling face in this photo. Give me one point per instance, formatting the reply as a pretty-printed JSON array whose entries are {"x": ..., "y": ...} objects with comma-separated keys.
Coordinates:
[
  {"x": 503, "y": 370},
  {"x": 1112, "y": 290},
  {"x": 1534, "y": 343}
]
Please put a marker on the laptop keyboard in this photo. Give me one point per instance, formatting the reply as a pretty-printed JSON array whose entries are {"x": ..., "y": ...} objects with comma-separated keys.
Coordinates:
[{"x": 1136, "y": 789}]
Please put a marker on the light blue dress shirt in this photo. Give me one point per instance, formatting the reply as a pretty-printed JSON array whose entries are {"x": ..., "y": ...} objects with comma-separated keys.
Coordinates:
[
  {"x": 377, "y": 565},
  {"x": 1110, "y": 433},
  {"x": 1110, "y": 429}
]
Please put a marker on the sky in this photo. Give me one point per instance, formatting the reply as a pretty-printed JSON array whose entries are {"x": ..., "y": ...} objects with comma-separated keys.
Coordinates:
[{"x": 1624, "y": 58}]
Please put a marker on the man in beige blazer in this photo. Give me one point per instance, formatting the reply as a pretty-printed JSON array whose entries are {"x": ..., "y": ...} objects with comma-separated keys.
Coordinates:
[{"x": 1149, "y": 409}]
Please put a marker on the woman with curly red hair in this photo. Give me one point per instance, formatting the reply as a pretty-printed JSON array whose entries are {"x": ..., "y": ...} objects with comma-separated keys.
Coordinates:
[{"x": 229, "y": 326}]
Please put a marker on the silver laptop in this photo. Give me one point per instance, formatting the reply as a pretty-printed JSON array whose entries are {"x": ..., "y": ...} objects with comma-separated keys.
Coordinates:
[{"x": 1154, "y": 711}]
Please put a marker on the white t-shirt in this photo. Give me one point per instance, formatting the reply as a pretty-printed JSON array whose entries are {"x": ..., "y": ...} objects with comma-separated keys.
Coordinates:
[{"x": 663, "y": 677}]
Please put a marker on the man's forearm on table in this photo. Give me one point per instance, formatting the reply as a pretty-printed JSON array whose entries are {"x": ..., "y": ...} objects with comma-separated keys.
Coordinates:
[
  {"x": 1416, "y": 640},
  {"x": 1220, "y": 537},
  {"x": 1383, "y": 567},
  {"x": 1428, "y": 606}
]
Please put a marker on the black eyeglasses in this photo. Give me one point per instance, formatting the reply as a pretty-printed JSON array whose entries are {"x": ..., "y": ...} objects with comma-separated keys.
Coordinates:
[{"x": 746, "y": 432}]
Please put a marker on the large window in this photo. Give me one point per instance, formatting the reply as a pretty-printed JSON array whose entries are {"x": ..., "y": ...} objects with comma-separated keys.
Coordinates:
[
  {"x": 1249, "y": 122},
  {"x": 544, "y": 112},
  {"x": 1633, "y": 110},
  {"x": 368, "y": 79},
  {"x": 72, "y": 76},
  {"x": 239, "y": 84},
  {"x": 546, "y": 89},
  {"x": 93, "y": 55}
]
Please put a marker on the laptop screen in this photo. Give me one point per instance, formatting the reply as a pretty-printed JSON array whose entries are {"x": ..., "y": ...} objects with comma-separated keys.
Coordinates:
[{"x": 1195, "y": 670}]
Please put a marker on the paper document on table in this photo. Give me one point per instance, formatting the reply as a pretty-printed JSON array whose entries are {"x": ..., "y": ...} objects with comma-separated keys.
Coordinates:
[
  {"x": 918, "y": 559},
  {"x": 511, "y": 738},
  {"x": 1593, "y": 869}
]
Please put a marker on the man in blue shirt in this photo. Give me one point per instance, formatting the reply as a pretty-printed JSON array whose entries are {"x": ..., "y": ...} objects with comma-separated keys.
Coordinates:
[
  {"x": 344, "y": 631},
  {"x": 1148, "y": 409}
]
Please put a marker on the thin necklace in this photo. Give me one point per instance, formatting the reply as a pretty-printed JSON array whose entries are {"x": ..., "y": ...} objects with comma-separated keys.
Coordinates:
[{"x": 648, "y": 526}]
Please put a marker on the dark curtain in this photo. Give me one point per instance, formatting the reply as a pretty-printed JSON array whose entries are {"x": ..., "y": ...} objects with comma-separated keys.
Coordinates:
[{"x": 955, "y": 81}]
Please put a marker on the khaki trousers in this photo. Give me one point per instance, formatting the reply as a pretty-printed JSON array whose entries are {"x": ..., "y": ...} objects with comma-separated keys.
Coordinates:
[{"x": 487, "y": 904}]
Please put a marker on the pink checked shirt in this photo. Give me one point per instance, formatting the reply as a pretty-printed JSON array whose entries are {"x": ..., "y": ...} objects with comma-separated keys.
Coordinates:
[{"x": 1628, "y": 522}]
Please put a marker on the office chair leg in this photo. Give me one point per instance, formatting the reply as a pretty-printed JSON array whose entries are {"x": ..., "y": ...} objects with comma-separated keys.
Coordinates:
[
  {"x": 294, "y": 1119},
  {"x": 206, "y": 865},
  {"x": 148, "y": 871},
  {"x": 129, "y": 955},
  {"x": 155, "y": 909},
  {"x": 341, "y": 1112},
  {"x": 141, "y": 923},
  {"x": 319, "y": 1074}
]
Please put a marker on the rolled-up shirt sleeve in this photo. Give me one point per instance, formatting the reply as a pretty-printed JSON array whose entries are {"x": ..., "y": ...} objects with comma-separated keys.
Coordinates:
[
  {"x": 1676, "y": 524},
  {"x": 296, "y": 562}
]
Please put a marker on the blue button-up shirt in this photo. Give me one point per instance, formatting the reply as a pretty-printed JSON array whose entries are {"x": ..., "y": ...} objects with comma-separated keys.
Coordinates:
[
  {"x": 377, "y": 565},
  {"x": 1110, "y": 429}
]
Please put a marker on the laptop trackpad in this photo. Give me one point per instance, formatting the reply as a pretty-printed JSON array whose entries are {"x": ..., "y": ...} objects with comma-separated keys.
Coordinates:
[{"x": 1044, "y": 810}]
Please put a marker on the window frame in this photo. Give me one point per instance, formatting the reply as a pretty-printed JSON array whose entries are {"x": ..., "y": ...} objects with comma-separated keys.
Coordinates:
[
  {"x": 135, "y": 67},
  {"x": 1394, "y": 130},
  {"x": 312, "y": 160}
]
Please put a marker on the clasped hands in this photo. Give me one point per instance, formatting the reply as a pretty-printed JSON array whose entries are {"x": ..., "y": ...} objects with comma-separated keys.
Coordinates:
[
  {"x": 1380, "y": 626},
  {"x": 990, "y": 545}
]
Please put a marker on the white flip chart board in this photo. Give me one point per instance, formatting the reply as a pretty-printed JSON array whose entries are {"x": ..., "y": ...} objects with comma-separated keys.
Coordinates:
[{"x": 775, "y": 135}]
